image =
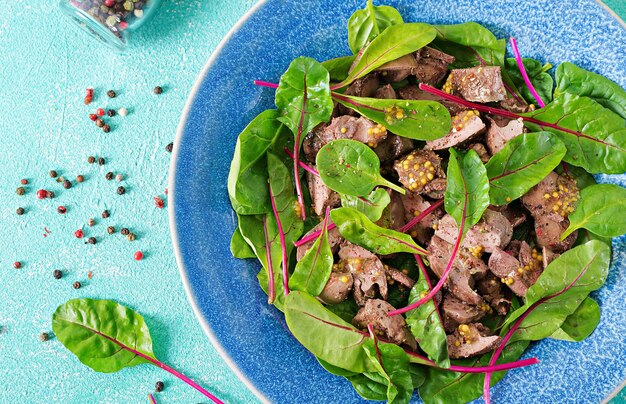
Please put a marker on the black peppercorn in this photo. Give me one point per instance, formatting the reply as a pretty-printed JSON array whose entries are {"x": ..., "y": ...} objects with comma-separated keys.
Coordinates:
[
  {"x": 51, "y": 194},
  {"x": 124, "y": 231},
  {"x": 57, "y": 274},
  {"x": 169, "y": 147},
  {"x": 111, "y": 94},
  {"x": 99, "y": 123},
  {"x": 53, "y": 174},
  {"x": 67, "y": 184},
  {"x": 20, "y": 191},
  {"x": 108, "y": 176},
  {"x": 91, "y": 240},
  {"x": 76, "y": 285},
  {"x": 121, "y": 190},
  {"x": 43, "y": 337},
  {"x": 101, "y": 161},
  {"x": 106, "y": 128},
  {"x": 159, "y": 387},
  {"x": 105, "y": 214},
  {"x": 111, "y": 112},
  {"x": 110, "y": 229},
  {"x": 158, "y": 90},
  {"x": 20, "y": 211},
  {"x": 91, "y": 159}
]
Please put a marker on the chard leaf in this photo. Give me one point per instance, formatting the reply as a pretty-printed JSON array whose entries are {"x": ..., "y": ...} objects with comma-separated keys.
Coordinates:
[
  {"x": 339, "y": 68},
  {"x": 600, "y": 210},
  {"x": 394, "y": 369},
  {"x": 581, "y": 323},
  {"x": 351, "y": 168},
  {"x": 392, "y": 43},
  {"x": 583, "y": 178},
  {"x": 366, "y": 24},
  {"x": 421, "y": 120},
  {"x": 471, "y": 44},
  {"x": 575, "y": 80},
  {"x": 355, "y": 227},
  {"x": 537, "y": 73},
  {"x": 594, "y": 136},
  {"x": 521, "y": 164},
  {"x": 239, "y": 248},
  {"x": 371, "y": 205},
  {"x": 367, "y": 388}
]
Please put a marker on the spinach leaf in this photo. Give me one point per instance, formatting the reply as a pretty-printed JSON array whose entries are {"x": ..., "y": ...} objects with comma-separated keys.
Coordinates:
[
  {"x": 303, "y": 96},
  {"x": 313, "y": 270},
  {"x": 355, "y": 227},
  {"x": 422, "y": 120},
  {"x": 323, "y": 333},
  {"x": 599, "y": 210},
  {"x": 537, "y": 73},
  {"x": 585, "y": 236},
  {"x": 594, "y": 136},
  {"x": 394, "y": 369},
  {"x": 346, "y": 309},
  {"x": 581, "y": 323},
  {"x": 351, "y": 168},
  {"x": 367, "y": 388},
  {"x": 575, "y": 80},
  {"x": 471, "y": 44},
  {"x": 371, "y": 205},
  {"x": 392, "y": 43},
  {"x": 560, "y": 289},
  {"x": 521, "y": 164},
  {"x": 339, "y": 68},
  {"x": 445, "y": 387},
  {"x": 366, "y": 24},
  {"x": 467, "y": 193},
  {"x": 239, "y": 247},
  {"x": 247, "y": 179},
  {"x": 426, "y": 325}
]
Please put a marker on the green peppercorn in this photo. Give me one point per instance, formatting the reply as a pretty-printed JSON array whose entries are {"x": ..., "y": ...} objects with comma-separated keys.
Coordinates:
[{"x": 131, "y": 237}]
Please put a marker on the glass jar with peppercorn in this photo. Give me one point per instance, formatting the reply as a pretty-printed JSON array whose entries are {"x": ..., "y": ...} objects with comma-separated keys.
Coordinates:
[{"x": 110, "y": 21}]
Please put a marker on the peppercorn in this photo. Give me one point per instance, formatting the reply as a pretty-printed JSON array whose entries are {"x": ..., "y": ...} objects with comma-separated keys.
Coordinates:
[
  {"x": 43, "y": 337},
  {"x": 76, "y": 285},
  {"x": 24, "y": 181},
  {"x": 105, "y": 214},
  {"x": 91, "y": 240},
  {"x": 121, "y": 190},
  {"x": 20, "y": 191},
  {"x": 91, "y": 222},
  {"x": 50, "y": 194},
  {"x": 158, "y": 202},
  {"x": 111, "y": 112},
  {"x": 79, "y": 233},
  {"x": 106, "y": 128},
  {"x": 158, "y": 90},
  {"x": 111, "y": 93},
  {"x": 57, "y": 274},
  {"x": 93, "y": 117},
  {"x": 53, "y": 174},
  {"x": 62, "y": 210},
  {"x": 80, "y": 178},
  {"x": 17, "y": 265},
  {"x": 169, "y": 147},
  {"x": 119, "y": 178},
  {"x": 100, "y": 112},
  {"x": 67, "y": 184},
  {"x": 138, "y": 256},
  {"x": 131, "y": 236},
  {"x": 42, "y": 194},
  {"x": 123, "y": 112},
  {"x": 20, "y": 211},
  {"x": 108, "y": 176},
  {"x": 101, "y": 161},
  {"x": 91, "y": 159},
  {"x": 110, "y": 229},
  {"x": 124, "y": 231},
  {"x": 159, "y": 387},
  {"x": 99, "y": 123}
]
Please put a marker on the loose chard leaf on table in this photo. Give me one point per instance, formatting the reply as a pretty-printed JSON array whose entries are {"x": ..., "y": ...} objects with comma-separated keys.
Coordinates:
[
  {"x": 574, "y": 80},
  {"x": 594, "y": 136},
  {"x": 355, "y": 227},
  {"x": 421, "y": 120},
  {"x": 471, "y": 44},
  {"x": 600, "y": 210},
  {"x": 371, "y": 205},
  {"x": 392, "y": 43},
  {"x": 351, "y": 168},
  {"x": 521, "y": 164},
  {"x": 539, "y": 78},
  {"x": 581, "y": 323},
  {"x": 366, "y": 24}
]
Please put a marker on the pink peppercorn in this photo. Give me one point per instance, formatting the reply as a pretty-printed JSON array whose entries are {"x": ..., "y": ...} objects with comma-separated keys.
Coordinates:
[
  {"x": 159, "y": 202},
  {"x": 138, "y": 256},
  {"x": 90, "y": 92},
  {"x": 42, "y": 194},
  {"x": 93, "y": 117},
  {"x": 79, "y": 233},
  {"x": 123, "y": 25},
  {"x": 100, "y": 112},
  {"x": 24, "y": 181},
  {"x": 17, "y": 265},
  {"x": 109, "y": 3},
  {"x": 61, "y": 209}
]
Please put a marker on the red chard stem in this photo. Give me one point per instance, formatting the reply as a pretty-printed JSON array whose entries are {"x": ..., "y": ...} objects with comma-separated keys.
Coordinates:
[
  {"x": 522, "y": 69},
  {"x": 421, "y": 216},
  {"x": 271, "y": 292},
  {"x": 303, "y": 165},
  {"x": 264, "y": 84},
  {"x": 283, "y": 248}
]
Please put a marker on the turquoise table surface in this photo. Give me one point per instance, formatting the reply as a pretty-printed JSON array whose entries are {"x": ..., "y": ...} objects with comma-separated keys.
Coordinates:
[{"x": 45, "y": 67}]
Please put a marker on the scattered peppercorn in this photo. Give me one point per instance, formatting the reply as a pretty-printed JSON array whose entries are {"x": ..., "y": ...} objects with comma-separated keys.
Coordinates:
[
  {"x": 124, "y": 231},
  {"x": 67, "y": 184},
  {"x": 53, "y": 174},
  {"x": 89, "y": 275},
  {"x": 105, "y": 214},
  {"x": 20, "y": 191},
  {"x": 100, "y": 112},
  {"x": 138, "y": 256},
  {"x": 24, "y": 181},
  {"x": 106, "y": 128},
  {"x": 108, "y": 176},
  {"x": 121, "y": 190},
  {"x": 62, "y": 209},
  {"x": 80, "y": 178},
  {"x": 99, "y": 123},
  {"x": 123, "y": 112},
  {"x": 131, "y": 236},
  {"x": 101, "y": 161},
  {"x": 91, "y": 222},
  {"x": 119, "y": 178},
  {"x": 91, "y": 240},
  {"x": 159, "y": 202},
  {"x": 111, "y": 94},
  {"x": 111, "y": 112},
  {"x": 17, "y": 265},
  {"x": 41, "y": 194},
  {"x": 76, "y": 285},
  {"x": 50, "y": 194},
  {"x": 169, "y": 147},
  {"x": 57, "y": 274},
  {"x": 159, "y": 387},
  {"x": 110, "y": 229},
  {"x": 93, "y": 117},
  {"x": 158, "y": 90},
  {"x": 79, "y": 233},
  {"x": 60, "y": 179},
  {"x": 43, "y": 337},
  {"x": 20, "y": 211},
  {"x": 91, "y": 159}
]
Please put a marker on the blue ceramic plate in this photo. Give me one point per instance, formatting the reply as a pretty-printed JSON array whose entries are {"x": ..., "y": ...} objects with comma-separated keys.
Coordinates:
[{"x": 224, "y": 292}]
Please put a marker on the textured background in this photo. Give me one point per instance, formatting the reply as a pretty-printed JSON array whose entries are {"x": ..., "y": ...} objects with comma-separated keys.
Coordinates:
[{"x": 45, "y": 66}]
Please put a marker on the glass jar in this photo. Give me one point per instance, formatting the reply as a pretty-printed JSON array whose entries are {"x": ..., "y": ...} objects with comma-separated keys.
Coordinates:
[{"x": 110, "y": 21}]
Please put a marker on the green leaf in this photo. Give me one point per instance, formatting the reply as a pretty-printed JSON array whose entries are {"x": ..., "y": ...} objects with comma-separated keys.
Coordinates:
[
  {"x": 100, "y": 333},
  {"x": 426, "y": 326},
  {"x": 574, "y": 80},
  {"x": 394, "y": 369},
  {"x": 599, "y": 210},
  {"x": 346, "y": 309},
  {"x": 239, "y": 247},
  {"x": 339, "y": 68},
  {"x": 366, "y": 24},
  {"x": 247, "y": 179},
  {"x": 392, "y": 43},
  {"x": 583, "y": 178},
  {"x": 337, "y": 371},
  {"x": 367, "y": 388},
  {"x": 351, "y": 168},
  {"x": 467, "y": 193},
  {"x": 313, "y": 270},
  {"x": 539, "y": 78},
  {"x": 521, "y": 164},
  {"x": 303, "y": 96},
  {"x": 471, "y": 44},
  {"x": 560, "y": 289},
  {"x": 323, "y": 333},
  {"x": 355, "y": 227},
  {"x": 422, "y": 120},
  {"x": 581, "y": 323},
  {"x": 594, "y": 136},
  {"x": 371, "y": 205}
]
